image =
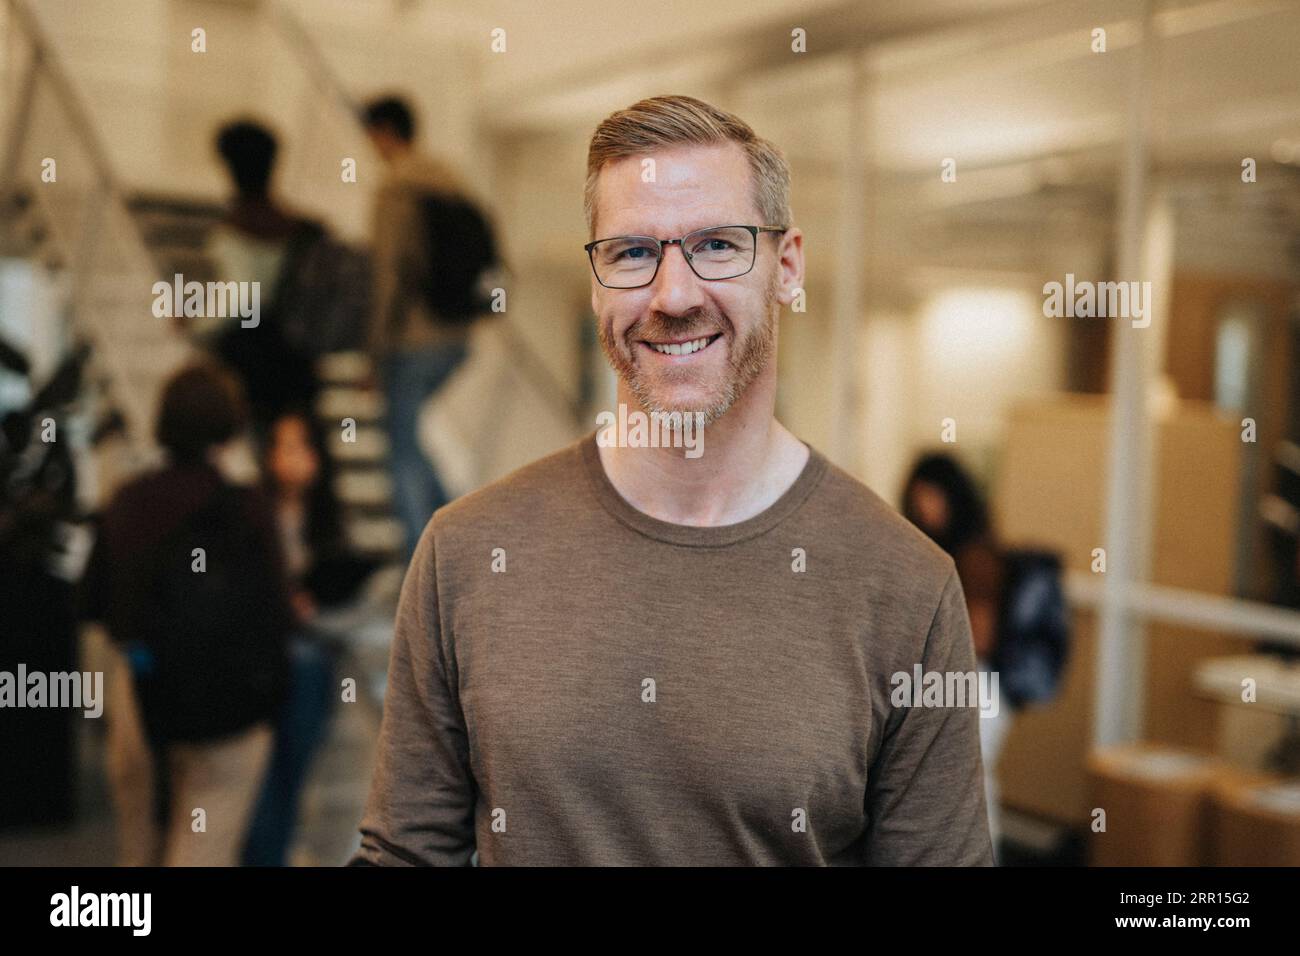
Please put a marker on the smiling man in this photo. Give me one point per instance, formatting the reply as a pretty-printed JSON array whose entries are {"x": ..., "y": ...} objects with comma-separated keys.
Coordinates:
[{"x": 621, "y": 655}]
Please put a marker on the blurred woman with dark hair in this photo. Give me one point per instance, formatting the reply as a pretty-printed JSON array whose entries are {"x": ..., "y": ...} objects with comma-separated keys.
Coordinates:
[
  {"x": 942, "y": 500},
  {"x": 298, "y": 480}
]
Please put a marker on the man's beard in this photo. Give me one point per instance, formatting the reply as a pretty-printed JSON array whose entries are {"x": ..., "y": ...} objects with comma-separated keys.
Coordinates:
[{"x": 746, "y": 358}]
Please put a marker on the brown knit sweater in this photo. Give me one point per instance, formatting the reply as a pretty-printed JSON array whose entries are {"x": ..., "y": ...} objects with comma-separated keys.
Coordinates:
[{"x": 575, "y": 682}]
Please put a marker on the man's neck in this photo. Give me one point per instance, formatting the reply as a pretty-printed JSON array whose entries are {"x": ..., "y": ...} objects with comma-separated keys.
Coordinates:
[{"x": 749, "y": 461}]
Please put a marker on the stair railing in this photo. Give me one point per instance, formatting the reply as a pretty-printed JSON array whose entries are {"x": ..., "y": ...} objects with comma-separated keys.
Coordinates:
[{"x": 90, "y": 224}]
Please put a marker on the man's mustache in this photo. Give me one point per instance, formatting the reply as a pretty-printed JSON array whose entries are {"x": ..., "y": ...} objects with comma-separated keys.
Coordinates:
[{"x": 662, "y": 326}]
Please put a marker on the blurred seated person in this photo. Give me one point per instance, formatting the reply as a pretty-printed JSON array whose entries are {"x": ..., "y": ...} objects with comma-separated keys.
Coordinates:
[
  {"x": 942, "y": 500},
  {"x": 186, "y": 575},
  {"x": 298, "y": 480}
]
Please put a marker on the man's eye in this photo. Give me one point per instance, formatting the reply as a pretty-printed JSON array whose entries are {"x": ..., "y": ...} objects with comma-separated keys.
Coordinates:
[
  {"x": 713, "y": 246},
  {"x": 629, "y": 254}
]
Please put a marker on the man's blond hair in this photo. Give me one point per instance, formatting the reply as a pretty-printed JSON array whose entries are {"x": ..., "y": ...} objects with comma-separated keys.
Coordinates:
[{"x": 665, "y": 121}]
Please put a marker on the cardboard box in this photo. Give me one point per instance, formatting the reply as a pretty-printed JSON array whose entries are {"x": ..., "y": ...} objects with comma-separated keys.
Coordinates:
[
  {"x": 1256, "y": 821},
  {"x": 1157, "y": 802}
]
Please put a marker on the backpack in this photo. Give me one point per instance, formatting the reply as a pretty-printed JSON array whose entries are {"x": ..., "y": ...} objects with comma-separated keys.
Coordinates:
[
  {"x": 461, "y": 249},
  {"x": 1033, "y": 628},
  {"x": 210, "y": 657},
  {"x": 303, "y": 317},
  {"x": 321, "y": 299}
]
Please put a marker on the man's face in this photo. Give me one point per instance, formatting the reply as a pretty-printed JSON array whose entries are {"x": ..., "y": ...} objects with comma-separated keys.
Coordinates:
[{"x": 694, "y": 187}]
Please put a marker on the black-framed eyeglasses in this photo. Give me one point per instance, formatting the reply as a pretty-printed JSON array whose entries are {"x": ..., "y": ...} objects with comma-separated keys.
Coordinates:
[{"x": 718, "y": 252}]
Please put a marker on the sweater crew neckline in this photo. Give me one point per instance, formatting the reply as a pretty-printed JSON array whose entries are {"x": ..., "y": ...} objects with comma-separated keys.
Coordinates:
[{"x": 697, "y": 536}]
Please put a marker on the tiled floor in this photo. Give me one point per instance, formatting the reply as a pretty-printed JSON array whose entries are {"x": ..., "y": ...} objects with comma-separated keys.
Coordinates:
[
  {"x": 332, "y": 802},
  {"x": 336, "y": 794}
]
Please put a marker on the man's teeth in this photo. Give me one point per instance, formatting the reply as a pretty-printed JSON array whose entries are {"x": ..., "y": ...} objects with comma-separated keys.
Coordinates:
[{"x": 685, "y": 348}]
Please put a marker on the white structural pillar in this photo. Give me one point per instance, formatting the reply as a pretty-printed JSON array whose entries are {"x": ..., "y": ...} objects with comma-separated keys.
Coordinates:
[
  {"x": 852, "y": 237},
  {"x": 1118, "y": 703}
]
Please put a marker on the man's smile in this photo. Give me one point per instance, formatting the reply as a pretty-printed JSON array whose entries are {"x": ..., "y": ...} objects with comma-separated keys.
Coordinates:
[{"x": 680, "y": 349}]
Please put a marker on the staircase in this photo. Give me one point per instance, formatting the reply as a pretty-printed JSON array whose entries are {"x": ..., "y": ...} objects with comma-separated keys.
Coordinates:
[
  {"x": 112, "y": 241},
  {"x": 71, "y": 219},
  {"x": 176, "y": 233}
]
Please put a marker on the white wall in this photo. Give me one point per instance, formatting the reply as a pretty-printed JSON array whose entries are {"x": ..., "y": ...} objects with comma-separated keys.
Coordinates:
[{"x": 964, "y": 352}]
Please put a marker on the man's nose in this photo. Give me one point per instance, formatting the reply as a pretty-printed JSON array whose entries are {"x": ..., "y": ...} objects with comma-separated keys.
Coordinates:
[{"x": 676, "y": 287}]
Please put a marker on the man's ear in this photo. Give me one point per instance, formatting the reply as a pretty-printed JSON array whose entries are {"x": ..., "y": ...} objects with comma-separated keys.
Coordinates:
[
  {"x": 784, "y": 293},
  {"x": 791, "y": 265}
]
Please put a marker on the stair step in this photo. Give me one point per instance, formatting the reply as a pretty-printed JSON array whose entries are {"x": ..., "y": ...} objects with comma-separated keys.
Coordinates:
[
  {"x": 370, "y": 447},
  {"x": 336, "y": 404},
  {"x": 375, "y": 535},
  {"x": 343, "y": 368},
  {"x": 370, "y": 487}
]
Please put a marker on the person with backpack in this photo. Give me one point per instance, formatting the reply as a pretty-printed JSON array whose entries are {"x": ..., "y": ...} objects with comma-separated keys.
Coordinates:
[
  {"x": 1014, "y": 600},
  {"x": 259, "y": 241},
  {"x": 188, "y": 578},
  {"x": 429, "y": 245}
]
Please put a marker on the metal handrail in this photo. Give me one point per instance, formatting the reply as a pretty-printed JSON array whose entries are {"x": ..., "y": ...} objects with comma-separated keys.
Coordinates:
[
  {"x": 44, "y": 64},
  {"x": 43, "y": 59},
  {"x": 314, "y": 60}
]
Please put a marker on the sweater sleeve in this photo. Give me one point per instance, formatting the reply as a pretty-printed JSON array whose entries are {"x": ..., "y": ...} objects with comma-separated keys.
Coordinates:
[
  {"x": 925, "y": 800},
  {"x": 420, "y": 810}
]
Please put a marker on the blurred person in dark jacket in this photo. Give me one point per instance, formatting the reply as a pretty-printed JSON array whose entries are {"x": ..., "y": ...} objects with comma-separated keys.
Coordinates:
[
  {"x": 413, "y": 351},
  {"x": 941, "y": 499},
  {"x": 260, "y": 241},
  {"x": 187, "y": 576}
]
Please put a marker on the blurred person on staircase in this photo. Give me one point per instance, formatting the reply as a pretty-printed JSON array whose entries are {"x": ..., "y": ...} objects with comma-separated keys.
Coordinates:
[
  {"x": 414, "y": 351},
  {"x": 260, "y": 241}
]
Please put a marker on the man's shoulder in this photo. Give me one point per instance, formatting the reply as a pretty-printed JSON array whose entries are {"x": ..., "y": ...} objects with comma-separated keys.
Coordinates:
[
  {"x": 893, "y": 550},
  {"x": 543, "y": 490}
]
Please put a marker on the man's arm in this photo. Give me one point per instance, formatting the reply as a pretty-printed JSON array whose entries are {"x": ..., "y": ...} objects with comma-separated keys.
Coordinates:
[
  {"x": 421, "y": 805},
  {"x": 925, "y": 794}
]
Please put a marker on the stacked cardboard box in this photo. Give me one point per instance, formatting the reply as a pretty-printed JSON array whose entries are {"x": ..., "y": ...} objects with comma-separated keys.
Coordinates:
[
  {"x": 1154, "y": 803},
  {"x": 1256, "y": 821}
]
